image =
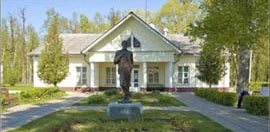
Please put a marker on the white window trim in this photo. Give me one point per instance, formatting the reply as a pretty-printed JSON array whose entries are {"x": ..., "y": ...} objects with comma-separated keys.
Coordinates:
[
  {"x": 183, "y": 84},
  {"x": 158, "y": 71},
  {"x": 110, "y": 83},
  {"x": 81, "y": 77}
]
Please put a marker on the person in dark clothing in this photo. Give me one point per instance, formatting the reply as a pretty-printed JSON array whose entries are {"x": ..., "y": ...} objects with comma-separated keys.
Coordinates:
[{"x": 241, "y": 97}]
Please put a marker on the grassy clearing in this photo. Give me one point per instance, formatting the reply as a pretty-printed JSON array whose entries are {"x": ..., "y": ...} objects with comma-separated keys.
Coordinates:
[
  {"x": 20, "y": 87},
  {"x": 97, "y": 121},
  {"x": 149, "y": 99}
]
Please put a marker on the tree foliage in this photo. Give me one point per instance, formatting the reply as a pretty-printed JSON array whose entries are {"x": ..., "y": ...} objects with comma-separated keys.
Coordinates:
[
  {"x": 86, "y": 25},
  {"x": 114, "y": 16},
  {"x": 53, "y": 65},
  {"x": 176, "y": 15},
  {"x": 211, "y": 65},
  {"x": 235, "y": 26}
]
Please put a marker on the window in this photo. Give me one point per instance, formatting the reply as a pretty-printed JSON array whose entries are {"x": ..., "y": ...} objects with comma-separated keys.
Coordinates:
[
  {"x": 183, "y": 74},
  {"x": 153, "y": 75},
  {"x": 133, "y": 41},
  {"x": 81, "y": 75},
  {"x": 110, "y": 76}
]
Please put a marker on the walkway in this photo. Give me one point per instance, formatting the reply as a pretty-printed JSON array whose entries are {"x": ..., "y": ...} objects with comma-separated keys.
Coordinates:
[
  {"x": 23, "y": 114},
  {"x": 232, "y": 118}
]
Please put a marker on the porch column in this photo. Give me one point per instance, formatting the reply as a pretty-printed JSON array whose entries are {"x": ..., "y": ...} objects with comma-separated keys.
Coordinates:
[
  {"x": 169, "y": 75},
  {"x": 117, "y": 77},
  {"x": 93, "y": 75},
  {"x": 144, "y": 84}
]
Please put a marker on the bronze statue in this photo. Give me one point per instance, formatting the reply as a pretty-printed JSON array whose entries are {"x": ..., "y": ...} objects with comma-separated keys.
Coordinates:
[{"x": 124, "y": 59}]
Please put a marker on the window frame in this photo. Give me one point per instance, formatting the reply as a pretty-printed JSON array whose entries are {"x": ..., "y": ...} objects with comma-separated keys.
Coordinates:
[
  {"x": 153, "y": 74},
  {"x": 132, "y": 40},
  {"x": 81, "y": 75},
  {"x": 110, "y": 76},
  {"x": 183, "y": 75}
]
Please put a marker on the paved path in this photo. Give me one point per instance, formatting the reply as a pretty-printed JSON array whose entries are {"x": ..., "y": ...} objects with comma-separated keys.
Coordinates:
[
  {"x": 232, "y": 118},
  {"x": 23, "y": 114}
]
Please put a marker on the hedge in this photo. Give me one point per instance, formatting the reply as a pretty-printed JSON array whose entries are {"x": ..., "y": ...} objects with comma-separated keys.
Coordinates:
[
  {"x": 223, "y": 98},
  {"x": 257, "y": 105}
]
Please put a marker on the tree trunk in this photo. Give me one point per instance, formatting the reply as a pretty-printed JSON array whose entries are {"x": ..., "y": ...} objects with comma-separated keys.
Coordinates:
[{"x": 243, "y": 69}]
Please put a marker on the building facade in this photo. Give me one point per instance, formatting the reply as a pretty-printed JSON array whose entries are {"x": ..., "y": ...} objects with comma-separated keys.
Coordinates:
[{"x": 160, "y": 59}]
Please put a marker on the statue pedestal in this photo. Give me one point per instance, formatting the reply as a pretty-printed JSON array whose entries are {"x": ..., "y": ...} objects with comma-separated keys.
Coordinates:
[{"x": 117, "y": 110}]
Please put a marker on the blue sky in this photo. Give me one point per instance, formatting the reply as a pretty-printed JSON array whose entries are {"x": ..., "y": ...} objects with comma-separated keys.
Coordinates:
[{"x": 36, "y": 9}]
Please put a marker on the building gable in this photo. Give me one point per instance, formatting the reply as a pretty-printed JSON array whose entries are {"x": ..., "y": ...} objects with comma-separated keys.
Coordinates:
[{"x": 132, "y": 25}]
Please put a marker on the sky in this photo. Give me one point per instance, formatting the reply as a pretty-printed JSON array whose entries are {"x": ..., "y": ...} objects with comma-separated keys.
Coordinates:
[{"x": 36, "y": 9}]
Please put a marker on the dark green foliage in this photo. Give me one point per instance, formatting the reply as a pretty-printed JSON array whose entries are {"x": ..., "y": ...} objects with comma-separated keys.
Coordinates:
[
  {"x": 224, "y": 98},
  {"x": 97, "y": 121},
  {"x": 211, "y": 65},
  {"x": 151, "y": 99},
  {"x": 39, "y": 94},
  {"x": 257, "y": 105},
  {"x": 111, "y": 92},
  {"x": 53, "y": 65},
  {"x": 96, "y": 99},
  {"x": 256, "y": 86}
]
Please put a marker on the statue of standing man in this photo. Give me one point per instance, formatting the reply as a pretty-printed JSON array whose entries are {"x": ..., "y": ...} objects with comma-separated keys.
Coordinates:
[{"x": 124, "y": 59}]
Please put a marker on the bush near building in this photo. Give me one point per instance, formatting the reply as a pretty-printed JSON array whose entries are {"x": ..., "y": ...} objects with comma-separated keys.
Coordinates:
[
  {"x": 257, "y": 105},
  {"x": 223, "y": 98}
]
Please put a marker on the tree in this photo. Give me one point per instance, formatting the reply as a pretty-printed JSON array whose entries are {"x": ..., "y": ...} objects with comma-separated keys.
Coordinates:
[
  {"x": 176, "y": 15},
  {"x": 86, "y": 26},
  {"x": 25, "y": 68},
  {"x": 53, "y": 65},
  {"x": 114, "y": 17},
  {"x": 211, "y": 65},
  {"x": 99, "y": 23},
  {"x": 62, "y": 24},
  {"x": 236, "y": 26},
  {"x": 11, "y": 54},
  {"x": 73, "y": 24}
]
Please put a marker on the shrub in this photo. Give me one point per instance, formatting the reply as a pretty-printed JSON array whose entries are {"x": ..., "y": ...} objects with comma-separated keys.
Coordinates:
[
  {"x": 256, "y": 86},
  {"x": 96, "y": 99},
  {"x": 257, "y": 105},
  {"x": 41, "y": 93},
  {"x": 111, "y": 92},
  {"x": 224, "y": 98}
]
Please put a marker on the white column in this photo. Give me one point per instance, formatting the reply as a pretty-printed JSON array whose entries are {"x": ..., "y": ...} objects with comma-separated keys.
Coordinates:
[
  {"x": 144, "y": 75},
  {"x": 92, "y": 75},
  {"x": 170, "y": 70},
  {"x": 169, "y": 75},
  {"x": 117, "y": 78}
]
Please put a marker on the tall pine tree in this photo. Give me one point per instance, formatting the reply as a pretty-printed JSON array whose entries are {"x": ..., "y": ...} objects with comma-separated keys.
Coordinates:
[{"x": 53, "y": 65}]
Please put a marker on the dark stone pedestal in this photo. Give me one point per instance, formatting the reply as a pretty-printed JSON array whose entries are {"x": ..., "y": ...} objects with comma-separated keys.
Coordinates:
[{"x": 117, "y": 110}]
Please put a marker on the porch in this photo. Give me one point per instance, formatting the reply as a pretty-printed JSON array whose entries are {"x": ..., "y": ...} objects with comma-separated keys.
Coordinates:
[{"x": 104, "y": 75}]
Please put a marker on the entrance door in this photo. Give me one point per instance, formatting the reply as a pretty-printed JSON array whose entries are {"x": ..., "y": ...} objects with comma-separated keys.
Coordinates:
[{"x": 135, "y": 80}]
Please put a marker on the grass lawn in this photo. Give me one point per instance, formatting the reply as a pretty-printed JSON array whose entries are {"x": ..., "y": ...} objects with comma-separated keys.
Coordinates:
[
  {"x": 21, "y": 87},
  {"x": 149, "y": 99},
  {"x": 97, "y": 121},
  {"x": 33, "y": 96}
]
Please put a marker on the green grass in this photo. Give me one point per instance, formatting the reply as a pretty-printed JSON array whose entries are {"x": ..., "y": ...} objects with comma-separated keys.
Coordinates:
[
  {"x": 33, "y": 96},
  {"x": 149, "y": 99},
  {"x": 21, "y": 87},
  {"x": 97, "y": 121}
]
